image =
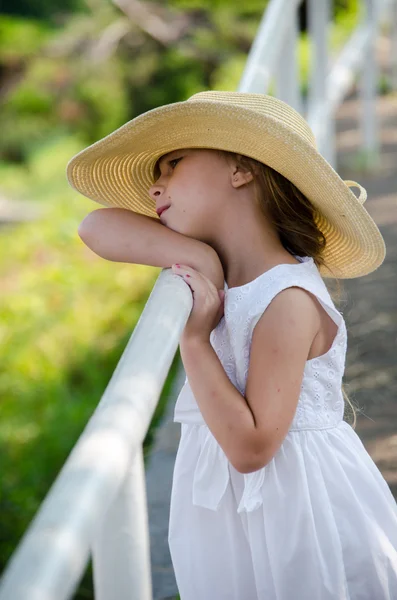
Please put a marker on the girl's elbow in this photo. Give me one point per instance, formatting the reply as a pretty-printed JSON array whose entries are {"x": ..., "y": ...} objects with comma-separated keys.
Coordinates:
[
  {"x": 257, "y": 461},
  {"x": 88, "y": 224},
  {"x": 89, "y": 232},
  {"x": 85, "y": 227},
  {"x": 82, "y": 231},
  {"x": 243, "y": 469},
  {"x": 85, "y": 234},
  {"x": 251, "y": 467},
  {"x": 264, "y": 448}
]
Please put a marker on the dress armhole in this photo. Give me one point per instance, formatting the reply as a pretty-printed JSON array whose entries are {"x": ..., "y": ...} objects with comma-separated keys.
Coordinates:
[
  {"x": 335, "y": 315},
  {"x": 332, "y": 312}
]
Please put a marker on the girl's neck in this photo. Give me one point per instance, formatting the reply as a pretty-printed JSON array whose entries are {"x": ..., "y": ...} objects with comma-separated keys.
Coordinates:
[{"x": 243, "y": 273}]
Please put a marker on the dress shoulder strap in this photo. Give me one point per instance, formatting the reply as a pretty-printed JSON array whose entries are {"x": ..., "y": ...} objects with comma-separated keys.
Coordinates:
[
  {"x": 245, "y": 305},
  {"x": 305, "y": 275}
]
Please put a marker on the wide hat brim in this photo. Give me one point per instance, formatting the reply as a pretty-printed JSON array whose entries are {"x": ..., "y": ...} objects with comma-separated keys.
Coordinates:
[{"x": 118, "y": 170}]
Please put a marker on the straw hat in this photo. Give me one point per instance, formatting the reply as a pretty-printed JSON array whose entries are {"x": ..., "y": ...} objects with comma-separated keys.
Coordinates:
[{"x": 118, "y": 170}]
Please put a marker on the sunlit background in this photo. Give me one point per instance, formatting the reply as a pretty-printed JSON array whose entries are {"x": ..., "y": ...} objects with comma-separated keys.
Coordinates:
[{"x": 71, "y": 71}]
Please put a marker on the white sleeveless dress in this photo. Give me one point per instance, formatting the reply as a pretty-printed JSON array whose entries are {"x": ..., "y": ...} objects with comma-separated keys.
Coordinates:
[{"x": 318, "y": 522}]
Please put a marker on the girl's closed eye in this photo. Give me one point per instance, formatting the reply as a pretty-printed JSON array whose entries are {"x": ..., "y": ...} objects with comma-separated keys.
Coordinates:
[
  {"x": 157, "y": 172},
  {"x": 174, "y": 160}
]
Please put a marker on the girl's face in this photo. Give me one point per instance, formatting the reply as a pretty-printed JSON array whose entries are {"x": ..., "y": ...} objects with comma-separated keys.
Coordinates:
[
  {"x": 211, "y": 198},
  {"x": 197, "y": 184}
]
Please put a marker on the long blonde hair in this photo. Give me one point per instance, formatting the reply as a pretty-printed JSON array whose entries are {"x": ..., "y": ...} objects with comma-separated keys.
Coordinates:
[{"x": 294, "y": 217}]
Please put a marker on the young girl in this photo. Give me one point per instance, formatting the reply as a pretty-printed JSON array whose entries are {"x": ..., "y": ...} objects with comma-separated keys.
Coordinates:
[{"x": 274, "y": 496}]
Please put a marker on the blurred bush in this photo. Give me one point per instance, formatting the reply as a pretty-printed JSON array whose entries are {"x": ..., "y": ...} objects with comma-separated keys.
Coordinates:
[
  {"x": 85, "y": 73},
  {"x": 65, "y": 318}
]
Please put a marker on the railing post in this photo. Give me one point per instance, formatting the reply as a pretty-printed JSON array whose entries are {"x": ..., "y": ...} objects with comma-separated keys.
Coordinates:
[
  {"x": 368, "y": 87},
  {"x": 107, "y": 458},
  {"x": 318, "y": 20},
  {"x": 266, "y": 47},
  {"x": 393, "y": 43},
  {"x": 319, "y": 13},
  {"x": 121, "y": 548},
  {"x": 287, "y": 75}
]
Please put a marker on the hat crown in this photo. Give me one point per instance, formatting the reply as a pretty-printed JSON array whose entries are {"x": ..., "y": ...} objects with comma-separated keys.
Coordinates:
[{"x": 264, "y": 105}]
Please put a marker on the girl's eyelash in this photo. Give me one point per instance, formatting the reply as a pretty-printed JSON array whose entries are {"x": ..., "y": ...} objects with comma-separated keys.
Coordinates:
[
  {"x": 157, "y": 170},
  {"x": 174, "y": 159}
]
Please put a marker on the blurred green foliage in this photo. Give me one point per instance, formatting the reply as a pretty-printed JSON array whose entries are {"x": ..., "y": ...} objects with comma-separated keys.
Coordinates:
[
  {"x": 65, "y": 318},
  {"x": 100, "y": 69},
  {"x": 70, "y": 73},
  {"x": 43, "y": 9}
]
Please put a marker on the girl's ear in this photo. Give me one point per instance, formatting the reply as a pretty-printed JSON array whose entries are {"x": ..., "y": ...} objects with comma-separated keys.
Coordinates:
[{"x": 240, "y": 176}]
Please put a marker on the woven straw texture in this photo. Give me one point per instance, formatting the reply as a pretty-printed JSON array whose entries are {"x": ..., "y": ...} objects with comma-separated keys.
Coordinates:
[{"x": 118, "y": 170}]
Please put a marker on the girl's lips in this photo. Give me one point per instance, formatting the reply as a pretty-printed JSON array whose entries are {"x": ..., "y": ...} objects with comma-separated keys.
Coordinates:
[{"x": 163, "y": 211}]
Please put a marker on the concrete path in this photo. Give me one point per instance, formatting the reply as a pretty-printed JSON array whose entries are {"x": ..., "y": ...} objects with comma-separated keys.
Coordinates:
[
  {"x": 371, "y": 301},
  {"x": 158, "y": 485}
]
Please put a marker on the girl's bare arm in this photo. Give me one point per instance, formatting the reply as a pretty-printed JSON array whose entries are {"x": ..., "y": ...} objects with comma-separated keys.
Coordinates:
[{"x": 120, "y": 235}]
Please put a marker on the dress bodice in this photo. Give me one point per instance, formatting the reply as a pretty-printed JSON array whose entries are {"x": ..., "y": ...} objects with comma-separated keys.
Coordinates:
[{"x": 320, "y": 402}]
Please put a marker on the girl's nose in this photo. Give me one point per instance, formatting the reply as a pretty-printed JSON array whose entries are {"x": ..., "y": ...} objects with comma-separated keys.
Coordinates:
[{"x": 155, "y": 191}]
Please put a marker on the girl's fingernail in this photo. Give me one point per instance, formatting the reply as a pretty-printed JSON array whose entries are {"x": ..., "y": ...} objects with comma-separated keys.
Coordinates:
[
  {"x": 187, "y": 275},
  {"x": 177, "y": 265}
]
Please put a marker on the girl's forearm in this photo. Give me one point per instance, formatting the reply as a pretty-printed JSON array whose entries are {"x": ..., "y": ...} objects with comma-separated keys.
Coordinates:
[
  {"x": 225, "y": 411},
  {"x": 120, "y": 235}
]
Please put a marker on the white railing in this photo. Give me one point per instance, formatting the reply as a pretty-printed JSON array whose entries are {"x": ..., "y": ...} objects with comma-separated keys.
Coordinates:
[
  {"x": 97, "y": 503},
  {"x": 274, "y": 57}
]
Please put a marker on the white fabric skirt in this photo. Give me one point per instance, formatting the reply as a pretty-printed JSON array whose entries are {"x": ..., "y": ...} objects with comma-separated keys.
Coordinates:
[{"x": 318, "y": 522}]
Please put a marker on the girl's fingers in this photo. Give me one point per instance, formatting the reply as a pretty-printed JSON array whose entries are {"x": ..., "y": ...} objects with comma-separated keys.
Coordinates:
[{"x": 189, "y": 275}]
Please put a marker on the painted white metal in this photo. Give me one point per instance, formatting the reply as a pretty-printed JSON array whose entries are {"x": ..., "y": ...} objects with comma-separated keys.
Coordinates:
[
  {"x": 319, "y": 16},
  {"x": 346, "y": 66},
  {"x": 287, "y": 78},
  {"x": 338, "y": 82},
  {"x": 262, "y": 59},
  {"x": 121, "y": 548},
  {"x": 273, "y": 57},
  {"x": 392, "y": 8},
  {"x": 357, "y": 56},
  {"x": 318, "y": 19},
  {"x": 368, "y": 84},
  {"x": 54, "y": 551}
]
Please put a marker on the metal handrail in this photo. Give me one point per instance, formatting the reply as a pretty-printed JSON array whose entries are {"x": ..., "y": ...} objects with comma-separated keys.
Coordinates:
[
  {"x": 103, "y": 477},
  {"x": 98, "y": 502}
]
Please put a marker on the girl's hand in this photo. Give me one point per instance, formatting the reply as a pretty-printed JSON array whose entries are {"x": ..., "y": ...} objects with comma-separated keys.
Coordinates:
[{"x": 208, "y": 304}]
